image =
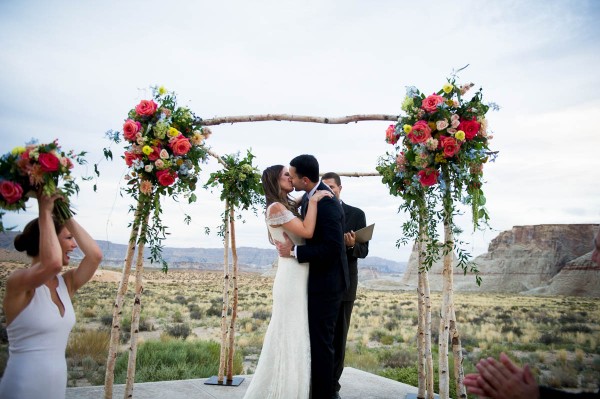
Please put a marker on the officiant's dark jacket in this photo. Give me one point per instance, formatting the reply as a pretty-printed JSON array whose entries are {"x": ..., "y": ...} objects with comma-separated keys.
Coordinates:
[
  {"x": 355, "y": 220},
  {"x": 326, "y": 251}
]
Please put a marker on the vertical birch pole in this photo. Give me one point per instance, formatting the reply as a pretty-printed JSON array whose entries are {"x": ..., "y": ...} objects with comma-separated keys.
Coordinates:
[
  {"x": 223, "y": 354},
  {"x": 135, "y": 313},
  {"x": 117, "y": 309},
  {"x": 446, "y": 303},
  {"x": 235, "y": 297},
  {"x": 459, "y": 373},
  {"x": 425, "y": 366}
]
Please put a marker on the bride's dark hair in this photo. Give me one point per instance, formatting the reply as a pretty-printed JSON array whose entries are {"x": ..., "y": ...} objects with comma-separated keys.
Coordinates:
[{"x": 273, "y": 193}]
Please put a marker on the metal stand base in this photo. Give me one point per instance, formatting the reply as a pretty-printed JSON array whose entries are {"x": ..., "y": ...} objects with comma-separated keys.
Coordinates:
[
  {"x": 214, "y": 380},
  {"x": 414, "y": 396}
]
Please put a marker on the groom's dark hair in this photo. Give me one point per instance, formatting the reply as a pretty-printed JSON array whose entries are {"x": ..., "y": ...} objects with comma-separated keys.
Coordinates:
[{"x": 306, "y": 166}]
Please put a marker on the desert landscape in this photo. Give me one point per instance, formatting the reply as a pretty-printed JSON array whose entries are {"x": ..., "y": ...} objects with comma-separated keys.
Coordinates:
[{"x": 180, "y": 324}]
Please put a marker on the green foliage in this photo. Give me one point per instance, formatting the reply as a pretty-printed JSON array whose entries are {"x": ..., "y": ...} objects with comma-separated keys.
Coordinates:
[
  {"x": 240, "y": 183},
  {"x": 169, "y": 360},
  {"x": 441, "y": 145},
  {"x": 164, "y": 150}
]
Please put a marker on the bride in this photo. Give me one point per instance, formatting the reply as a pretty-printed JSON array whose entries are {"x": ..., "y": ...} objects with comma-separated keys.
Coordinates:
[{"x": 283, "y": 369}]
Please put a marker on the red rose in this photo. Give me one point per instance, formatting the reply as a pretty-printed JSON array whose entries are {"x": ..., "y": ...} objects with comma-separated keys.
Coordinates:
[
  {"x": 180, "y": 145},
  {"x": 130, "y": 129},
  {"x": 428, "y": 177},
  {"x": 11, "y": 192},
  {"x": 49, "y": 162},
  {"x": 390, "y": 135},
  {"x": 146, "y": 108},
  {"x": 155, "y": 154},
  {"x": 430, "y": 103},
  {"x": 420, "y": 132},
  {"x": 470, "y": 128},
  {"x": 450, "y": 146},
  {"x": 166, "y": 177},
  {"x": 131, "y": 157}
]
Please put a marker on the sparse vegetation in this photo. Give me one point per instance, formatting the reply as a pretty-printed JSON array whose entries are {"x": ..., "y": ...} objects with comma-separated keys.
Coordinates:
[{"x": 181, "y": 313}]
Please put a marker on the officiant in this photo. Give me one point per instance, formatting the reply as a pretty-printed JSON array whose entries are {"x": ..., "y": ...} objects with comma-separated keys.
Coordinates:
[{"x": 354, "y": 220}]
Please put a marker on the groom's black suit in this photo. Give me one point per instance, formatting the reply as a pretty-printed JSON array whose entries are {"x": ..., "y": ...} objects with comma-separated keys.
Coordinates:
[{"x": 328, "y": 279}]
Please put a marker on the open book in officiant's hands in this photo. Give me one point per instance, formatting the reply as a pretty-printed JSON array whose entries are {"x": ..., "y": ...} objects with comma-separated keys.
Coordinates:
[{"x": 365, "y": 234}]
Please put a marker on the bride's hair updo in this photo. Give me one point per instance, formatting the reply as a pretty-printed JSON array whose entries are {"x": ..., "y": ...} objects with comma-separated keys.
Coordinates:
[
  {"x": 29, "y": 239},
  {"x": 273, "y": 193}
]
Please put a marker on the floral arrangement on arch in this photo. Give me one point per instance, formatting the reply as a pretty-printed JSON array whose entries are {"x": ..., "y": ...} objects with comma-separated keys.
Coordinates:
[
  {"x": 37, "y": 168},
  {"x": 441, "y": 146},
  {"x": 165, "y": 145},
  {"x": 240, "y": 181}
]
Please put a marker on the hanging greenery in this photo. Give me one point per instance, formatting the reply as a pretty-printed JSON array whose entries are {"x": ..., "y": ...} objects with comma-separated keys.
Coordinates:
[{"x": 241, "y": 186}]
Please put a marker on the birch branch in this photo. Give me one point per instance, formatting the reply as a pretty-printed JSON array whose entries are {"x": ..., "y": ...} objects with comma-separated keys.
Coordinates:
[
  {"x": 118, "y": 306},
  {"x": 297, "y": 118},
  {"x": 218, "y": 158}
]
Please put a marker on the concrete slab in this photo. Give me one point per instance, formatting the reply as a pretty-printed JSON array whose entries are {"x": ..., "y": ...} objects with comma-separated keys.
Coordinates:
[{"x": 356, "y": 384}]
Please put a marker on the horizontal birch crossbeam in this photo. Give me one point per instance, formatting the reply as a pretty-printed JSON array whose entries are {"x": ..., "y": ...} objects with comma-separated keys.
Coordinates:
[{"x": 296, "y": 118}]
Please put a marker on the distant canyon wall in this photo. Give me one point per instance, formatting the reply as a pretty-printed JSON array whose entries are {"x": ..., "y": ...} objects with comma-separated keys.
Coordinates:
[{"x": 549, "y": 259}]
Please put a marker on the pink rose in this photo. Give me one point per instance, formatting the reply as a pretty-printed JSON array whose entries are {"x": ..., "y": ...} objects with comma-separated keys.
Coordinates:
[
  {"x": 420, "y": 133},
  {"x": 428, "y": 177},
  {"x": 130, "y": 158},
  {"x": 11, "y": 192},
  {"x": 450, "y": 146},
  {"x": 430, "y": 103},
  {"x": 470, "y": 128},
  {"x": 49, "y": 162},
  {"x": 130, "y": 129},
  {"x": 180, "y": 145},
  {"x": 441, "y": 125},
  {"x": 166, "y": 177},
  {"x": 146, "y": 108},
  {"x": 146, "y": 187},
  {"x": 390, "y": 135}
]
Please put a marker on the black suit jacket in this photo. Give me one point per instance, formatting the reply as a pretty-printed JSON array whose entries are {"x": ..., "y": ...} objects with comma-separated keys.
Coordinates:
[
  {"x": 355, "y": 220},
  {"x": 325, "y": 251}
]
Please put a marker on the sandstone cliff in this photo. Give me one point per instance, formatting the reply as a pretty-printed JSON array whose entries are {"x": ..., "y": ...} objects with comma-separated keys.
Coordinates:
[{"x": 552, "y": 259}]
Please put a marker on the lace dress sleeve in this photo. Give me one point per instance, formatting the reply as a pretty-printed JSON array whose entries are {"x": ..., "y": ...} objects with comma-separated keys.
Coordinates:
[{"x": 276, "y": 216}]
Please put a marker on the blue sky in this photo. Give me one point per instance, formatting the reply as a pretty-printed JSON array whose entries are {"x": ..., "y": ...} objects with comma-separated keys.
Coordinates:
[{"x": 72, "y": 70}]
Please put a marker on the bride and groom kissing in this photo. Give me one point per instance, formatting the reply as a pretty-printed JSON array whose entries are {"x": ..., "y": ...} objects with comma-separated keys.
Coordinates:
[{"x": 298, "y": 358}]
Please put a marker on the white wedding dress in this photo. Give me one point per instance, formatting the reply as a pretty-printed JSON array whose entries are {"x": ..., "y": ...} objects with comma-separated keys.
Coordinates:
[{"x": 283, "y": 370}]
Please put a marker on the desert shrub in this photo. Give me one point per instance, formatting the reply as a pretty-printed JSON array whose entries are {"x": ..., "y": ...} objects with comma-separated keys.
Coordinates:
[
  {"x": 563, "y": 376},
  {"x": 514, "y": 329},
  {"x": 89, "y": 313},
  {"x": 215, "y": 309},
  {"x": 387, "y": 340},
  {"x": 196, "y": 314},
  {"x": 398, "y": 358},
  {"x": 582, "y": 328},
  {"x": 261, "y": 314},
  {"x": 569, "y": 318},
  {"x": 410, "y": 375},
  {"x": 177, "y": 317},
  {"x": 89, "y": 343},
  {"x": 179, "y": 330},
  {"x": 181, "y": 300},
  {"x": 391, "y": 325},
  {"x": 170, "y": 359},
  {"x": 106, "y": 320},
  {"x": 550, "y": 338}
]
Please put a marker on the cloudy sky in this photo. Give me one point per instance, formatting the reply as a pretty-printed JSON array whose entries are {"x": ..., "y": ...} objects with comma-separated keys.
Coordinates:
[{"x": 72, "y": 71}]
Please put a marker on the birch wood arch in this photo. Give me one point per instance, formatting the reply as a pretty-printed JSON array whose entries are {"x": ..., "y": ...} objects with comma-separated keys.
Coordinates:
[{"x": 425, "y": 363}]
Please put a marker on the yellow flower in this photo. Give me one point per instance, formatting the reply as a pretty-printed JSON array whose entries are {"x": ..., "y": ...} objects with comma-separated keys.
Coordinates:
[
  {"x": 447, "y": 88},
  {"x": 460, "y": 135},
  {"x": 162, "y": 90},
  {"x": 147, "y": 150},
  {"x": 431, "y": 125},
  {"x": 179, "y": 162},
  {"x": 173, "y": 132},
  {"x": 18, "y": 150},
  {"x": 407, "y": 128},
  {"x": 449, "y": 103},
  {"x": 439, "y": 158}
]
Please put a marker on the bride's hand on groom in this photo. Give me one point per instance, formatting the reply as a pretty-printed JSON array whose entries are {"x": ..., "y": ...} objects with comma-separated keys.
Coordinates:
[
  {"x": 284, "y": 248},
  {"x": 320, "y": 194}
]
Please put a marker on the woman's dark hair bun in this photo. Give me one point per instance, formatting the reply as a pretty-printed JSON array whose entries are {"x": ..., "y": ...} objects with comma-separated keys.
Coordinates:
[{"x": 20, "y": 243}]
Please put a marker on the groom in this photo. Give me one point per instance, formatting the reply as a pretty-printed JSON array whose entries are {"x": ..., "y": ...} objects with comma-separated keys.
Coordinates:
[{"x": 328, "y": 276}]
